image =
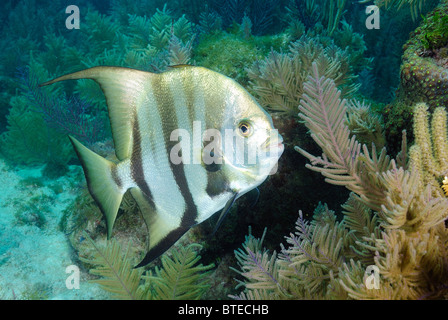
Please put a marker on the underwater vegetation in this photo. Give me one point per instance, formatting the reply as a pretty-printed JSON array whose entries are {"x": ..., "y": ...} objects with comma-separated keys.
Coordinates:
[
  {"x": 414, "y": 5},
  {"x": 308, "y": 63},
  {"x": 261, "y": 14},
  {"x": 394, "y": 218},
  {"x": 423, "y": 74},
  {"x": 278, "y": 79},
  {"x": 435, "y": 32},
  {"x": 179, "y": 278}
]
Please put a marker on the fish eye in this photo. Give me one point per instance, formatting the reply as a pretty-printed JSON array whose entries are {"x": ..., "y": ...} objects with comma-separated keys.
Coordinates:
[{"x": 245, "y": 128}]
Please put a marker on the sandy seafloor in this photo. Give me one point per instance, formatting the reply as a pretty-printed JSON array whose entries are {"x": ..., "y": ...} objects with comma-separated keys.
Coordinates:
[{"x": 33, "y": 259}]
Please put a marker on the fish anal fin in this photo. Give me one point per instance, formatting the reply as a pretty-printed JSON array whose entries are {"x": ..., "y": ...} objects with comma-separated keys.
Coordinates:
[
  {"x": 162, "y": 233},
  {"x": 163, "y": 245}
]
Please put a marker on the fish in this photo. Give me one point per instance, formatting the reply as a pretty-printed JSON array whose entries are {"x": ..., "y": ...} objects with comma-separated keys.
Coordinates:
[{"x": 189, "y": 142}]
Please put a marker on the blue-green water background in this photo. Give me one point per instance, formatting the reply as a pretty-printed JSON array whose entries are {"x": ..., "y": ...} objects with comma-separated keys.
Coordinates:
[{"x": 41, "y": 174}]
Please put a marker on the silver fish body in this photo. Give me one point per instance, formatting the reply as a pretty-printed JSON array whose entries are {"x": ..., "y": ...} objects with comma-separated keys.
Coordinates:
[{"x": 189, "y": 142}]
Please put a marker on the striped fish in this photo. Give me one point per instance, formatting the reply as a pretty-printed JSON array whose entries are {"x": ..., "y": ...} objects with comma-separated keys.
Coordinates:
[{"x": 169, "y": 133}]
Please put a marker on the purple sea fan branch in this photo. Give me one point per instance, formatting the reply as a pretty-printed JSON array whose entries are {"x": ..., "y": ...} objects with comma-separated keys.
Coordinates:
[
  {"x": 263, "y": 270},
  {"x": 73, "y": 116},
  {"x": 258, "y": 262}
]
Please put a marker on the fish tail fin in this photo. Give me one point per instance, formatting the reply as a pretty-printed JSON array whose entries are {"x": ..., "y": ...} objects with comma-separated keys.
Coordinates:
[{"x": 100, "y": 181}]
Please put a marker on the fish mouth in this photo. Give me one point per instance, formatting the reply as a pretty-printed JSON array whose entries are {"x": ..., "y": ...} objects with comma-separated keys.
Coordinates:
[{"x": 275, "y": 144}]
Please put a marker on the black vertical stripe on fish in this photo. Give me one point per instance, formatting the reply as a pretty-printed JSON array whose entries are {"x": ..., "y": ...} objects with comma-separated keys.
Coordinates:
[
  {"x": 167, "y": 105},
  {"x": 217, "y": 184},
  {"x": 191, "y": 210},
  {"x": 137, "y": 172}
]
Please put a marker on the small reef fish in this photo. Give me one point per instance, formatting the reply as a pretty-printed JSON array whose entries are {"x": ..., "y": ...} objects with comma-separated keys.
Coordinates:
[{"x": 189, "y": 141}]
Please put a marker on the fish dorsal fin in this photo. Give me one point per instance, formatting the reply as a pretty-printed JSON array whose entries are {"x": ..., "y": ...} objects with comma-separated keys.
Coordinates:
[{"x": 124, "y": 89}]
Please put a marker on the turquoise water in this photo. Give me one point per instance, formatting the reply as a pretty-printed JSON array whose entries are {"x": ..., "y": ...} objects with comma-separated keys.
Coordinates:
[{"x": 46, "y": 212}]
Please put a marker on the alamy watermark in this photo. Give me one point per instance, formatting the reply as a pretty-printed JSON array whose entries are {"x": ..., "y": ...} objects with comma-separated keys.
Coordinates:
[
  {"x": 373, "y": 20},
  {"x": 72, "y": 281},
  {"x": 217, "y": 147},
  {"x": 72, "y": 21},
  {"x": 372, "y": 277}
]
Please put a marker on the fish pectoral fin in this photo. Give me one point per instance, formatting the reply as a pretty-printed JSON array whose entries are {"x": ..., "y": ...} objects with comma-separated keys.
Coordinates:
[
  {"x": 255, "y": 191},
  {"x": 224, "y": 212},
  {"x": 104, "y": 190}
]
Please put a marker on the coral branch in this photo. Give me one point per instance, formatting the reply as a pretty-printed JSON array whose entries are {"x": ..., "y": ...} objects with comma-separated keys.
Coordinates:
[{"x": 69, "y": 116}]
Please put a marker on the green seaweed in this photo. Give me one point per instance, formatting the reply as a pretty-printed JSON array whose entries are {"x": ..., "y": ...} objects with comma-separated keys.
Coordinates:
[
  {"x": 37, "y": 291},
  {"x": 435, "y": 31},
  {"x": 229, "y": 54},
  {"x": 29, "y": 140},
  {"x": 179, "y": 278},
  {"x": 32, "y": 212}
]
